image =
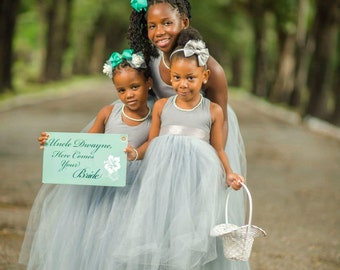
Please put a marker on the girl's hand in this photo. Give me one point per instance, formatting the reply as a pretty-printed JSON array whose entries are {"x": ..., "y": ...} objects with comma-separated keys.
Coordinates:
[
  {"x": 234, "y": 180},
  {"x": 43, "y": 138},
  {"x": 132, "y": 153}
]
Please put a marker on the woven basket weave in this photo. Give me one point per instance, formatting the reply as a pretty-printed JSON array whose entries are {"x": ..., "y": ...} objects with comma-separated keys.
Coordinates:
[{"x": 238, "y": 240}]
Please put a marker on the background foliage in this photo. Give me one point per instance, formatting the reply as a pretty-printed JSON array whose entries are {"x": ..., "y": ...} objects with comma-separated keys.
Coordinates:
[{"x": 286, "y": 51}]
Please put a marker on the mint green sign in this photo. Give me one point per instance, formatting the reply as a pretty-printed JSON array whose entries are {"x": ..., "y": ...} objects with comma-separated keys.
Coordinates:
[{"x": 85, "y": 159}]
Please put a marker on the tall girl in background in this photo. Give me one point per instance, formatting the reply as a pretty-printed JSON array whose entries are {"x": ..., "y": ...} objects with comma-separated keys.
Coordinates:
[
  {"x": 181, "y": 195},
  {"x": 69, "y": 226},
  {"x": 154, "y": 28}
]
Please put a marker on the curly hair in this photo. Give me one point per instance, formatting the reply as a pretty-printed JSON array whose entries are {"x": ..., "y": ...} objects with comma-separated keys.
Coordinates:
[
  {"x": 188, "y": 34},
  {"x": 184, "y": 36},
  {"x": 124, "y": 64},
  {"x": 137, "y": 34}
]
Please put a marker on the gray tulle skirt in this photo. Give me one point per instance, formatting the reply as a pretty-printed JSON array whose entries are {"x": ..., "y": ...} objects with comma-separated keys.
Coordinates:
[
  {"x": 160, "y": 220},
  {"x": 181, "y": 196},
  {"x": 69, "y": 224}
]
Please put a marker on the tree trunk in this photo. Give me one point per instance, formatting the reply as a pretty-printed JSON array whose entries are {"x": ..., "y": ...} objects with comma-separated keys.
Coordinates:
[
  {"x": 57, "y": 17},
  {"x": 98, "y": 56},
  {"x": 284, "y": 82},
  {"x": 8, "y": 14},
  {"x": 321, "y": 73},
  {"x": 302, "y": 54},
  {"x": 335, "y": 119},
  {"x": 260, "y": 62},
  {"x": 81, "y": 62},
  {"x": 237, "y": 70},
  {"x": 96, "y": 46}
]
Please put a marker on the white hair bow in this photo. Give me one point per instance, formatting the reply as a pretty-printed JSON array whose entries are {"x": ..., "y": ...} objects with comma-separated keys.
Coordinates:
[{"x": 197, "y": 47}]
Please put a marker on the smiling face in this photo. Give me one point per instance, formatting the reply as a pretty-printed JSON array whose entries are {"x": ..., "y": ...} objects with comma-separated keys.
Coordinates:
[
  {"x": 132, "y": 87},
  {"x": 164, "y": 24},
  {"x": 187, "y": 78}
]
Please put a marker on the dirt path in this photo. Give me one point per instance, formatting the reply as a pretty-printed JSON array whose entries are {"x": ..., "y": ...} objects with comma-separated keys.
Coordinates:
[{"x": 293, "y": 174}]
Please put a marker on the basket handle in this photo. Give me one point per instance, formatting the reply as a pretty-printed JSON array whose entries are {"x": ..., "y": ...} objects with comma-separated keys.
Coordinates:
[{"x": 250, "y": 204}]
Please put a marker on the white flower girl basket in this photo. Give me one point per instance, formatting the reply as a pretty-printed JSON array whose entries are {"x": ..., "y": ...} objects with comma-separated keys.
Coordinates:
[{"x": 237, "y": 240}]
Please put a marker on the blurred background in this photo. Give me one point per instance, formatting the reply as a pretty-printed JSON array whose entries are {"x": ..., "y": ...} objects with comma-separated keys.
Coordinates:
[
  {"x": 282, "y": 60},
  {"x": 284, "y": 51}
]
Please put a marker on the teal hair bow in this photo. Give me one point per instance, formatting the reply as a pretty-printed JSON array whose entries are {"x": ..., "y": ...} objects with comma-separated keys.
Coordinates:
[
  {"x": 116, "y": 58},
  {"x": 135, "y": 60},
  {"x": 139, "y": 5}
]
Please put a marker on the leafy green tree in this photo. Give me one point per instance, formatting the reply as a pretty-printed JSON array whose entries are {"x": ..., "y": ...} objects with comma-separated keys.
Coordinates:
[
  {"x": 99, "y": 27},
  {"x": 56, "y": 15},
  {"x": 324, "y": 62},
  {"x": 8, "y": 15},
  {"x": 335, "y": 117},
  {"x": 258, "y": 10},
  {"x": 285, "y": 12},
  {"x": 303, "y": 52},
  {"x": 226, "y": 29},
  {"x": 286, "y": 51}
]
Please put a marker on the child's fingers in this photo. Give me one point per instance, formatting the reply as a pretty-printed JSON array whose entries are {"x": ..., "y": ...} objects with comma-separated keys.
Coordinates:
[
  {"x": 128, "y": 149},
  {"x": 43, "y": 138},
  {"x": 236, "y": 185},
  {"x": 44, "y": 134},
  {"x": 236, "y": 181},
  {"x": 241, "y": 179}
]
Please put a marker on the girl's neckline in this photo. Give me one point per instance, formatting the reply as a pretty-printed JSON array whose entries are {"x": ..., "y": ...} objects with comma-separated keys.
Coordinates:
[
  {"x": 135, "y": 119},
  {"x": 160, "y": 67},
  {"x": 187, "y": 110},
  {"x": 163, "y": 60}
]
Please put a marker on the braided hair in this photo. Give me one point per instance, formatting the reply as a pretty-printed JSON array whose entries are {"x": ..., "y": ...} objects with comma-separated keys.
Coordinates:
[{"x": 137, "y": 34}]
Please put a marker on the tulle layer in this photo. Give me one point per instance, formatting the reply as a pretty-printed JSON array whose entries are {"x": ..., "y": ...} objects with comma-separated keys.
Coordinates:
[
  {"x": 235, "y": 146},
  {"x": 161, "y": 221},
  {"x": 67, "y": 223},
  {"x": 181, "y": 196}
]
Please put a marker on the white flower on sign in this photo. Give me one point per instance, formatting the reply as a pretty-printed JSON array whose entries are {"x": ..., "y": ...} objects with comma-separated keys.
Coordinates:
[{"x": 112, "y": 165}]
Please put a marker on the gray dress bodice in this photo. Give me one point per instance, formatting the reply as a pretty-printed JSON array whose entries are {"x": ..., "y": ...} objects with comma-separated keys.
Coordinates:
[
  {"x": 160, "y": 88},
  {"x": 137, "y": 135},
  {"x": 195, "y": 122}
]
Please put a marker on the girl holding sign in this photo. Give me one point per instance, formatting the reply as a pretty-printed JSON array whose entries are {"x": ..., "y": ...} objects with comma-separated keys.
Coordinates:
[{"x": 67, "y": 222}]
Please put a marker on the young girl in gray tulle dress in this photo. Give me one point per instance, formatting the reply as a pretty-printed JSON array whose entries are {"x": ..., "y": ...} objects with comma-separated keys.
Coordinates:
[{"x": 69, "y": 225}]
